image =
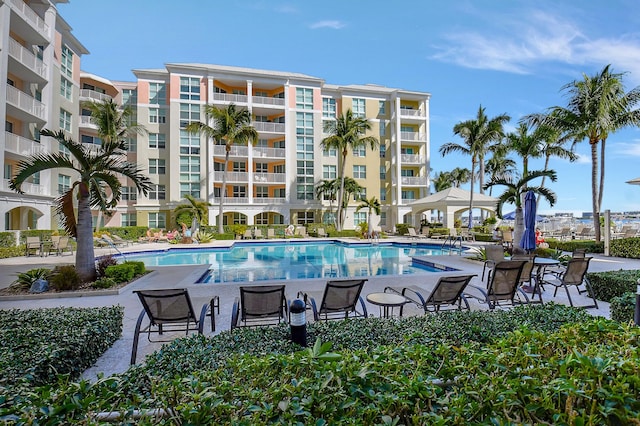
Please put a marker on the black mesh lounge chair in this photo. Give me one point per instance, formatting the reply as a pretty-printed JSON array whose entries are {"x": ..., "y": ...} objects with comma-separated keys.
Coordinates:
[
  {"x": 575, "y": 274},
  {"x": 503, "y": 285},
  {"x": 338, "y": 301},
  {"x": 259, "y": 305},
  {"x": 170, "y": 311},
  {"x": 448, "y": 294}
]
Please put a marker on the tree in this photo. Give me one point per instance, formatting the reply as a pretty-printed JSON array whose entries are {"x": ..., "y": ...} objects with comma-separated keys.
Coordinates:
[
  {"x": 346, "y": 133},
  {"x": 229, "y": 126},
  {"x": 597, "y": 106},
  {"x": 499, "y": 166},
  {"x": 526, "y": 143},
  {"x": 477, "y": 134},
  {"x": 460, "y": 176},
  {"x": 514, "y": 194},
  {"x": 351, "y": 187},
  {"x": 97, "y": 186},
  {"x": 327, "y": 189},
  {"x": 374, "y": 206},
  {"x": 184, "y": 213},
  {"x": 553, "y": 145},
  {"x": 442, "y": 181}
]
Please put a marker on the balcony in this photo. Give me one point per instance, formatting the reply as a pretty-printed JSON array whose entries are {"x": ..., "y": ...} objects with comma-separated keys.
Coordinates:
[
  {"x": 268, "y": 127},
  {"x": 267, "y": 200},
  {"x": 93, "y": 95},
  {"x": 265, "y": 101},
  {"x": 413, "y": 181},
  {"x": 27, "y": 188},
  {"x": 263, "y": 152},
  {"x": 412, "y": 136},
  {"x": 231, "y": 176},
  {"x": 269, "y": 177},
  {"x": 22, "y": 146},
  {"x": 230, "y": 98},
  {"x": 87, "y": 121},
  {"x": 31, "y": 17},
  {"x": 236, "y": 151},
  {"x": 411, "y": 113},
  {"x": 412, "y": 159},
  {"x": 27, "y": 107},
  {"x": 230, "y": 200},
  {"x": 27, "y": 61}
]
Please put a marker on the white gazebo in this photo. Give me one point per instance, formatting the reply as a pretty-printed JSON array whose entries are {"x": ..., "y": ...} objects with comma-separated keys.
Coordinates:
[{"x": 451, "y": 201}]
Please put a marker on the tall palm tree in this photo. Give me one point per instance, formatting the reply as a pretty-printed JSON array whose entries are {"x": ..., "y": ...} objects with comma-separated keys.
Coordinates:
[
  {"x": 597, "y": 106},
  {"x": 477, "y": 135},
  {"x": 197, "y": 209},
  {"x": 526, "y": 143},
  {"x": 460, "y": 176},
  {"x": 230, "y": 126},
  {"x": 514, "y": 194},
  {"x": 500, "y": 166},
  {"x": 374, "y": 206},
  {"x": 346, "y": 133},
  {"x": 351, "y": 187},
  {"x": 97, "y": 186},
  {"x": 442, "y": 181},
  {"x": 553, "y": 145},
  {"x": 328, "y": 189}
]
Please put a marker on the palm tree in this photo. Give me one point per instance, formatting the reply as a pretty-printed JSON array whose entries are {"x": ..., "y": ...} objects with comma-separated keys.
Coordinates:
[
  {"x": 514, "y": 194},
  {"x": 442, "y": 181},
  {"x": 477, "y": 135},
  {"x": 374, "y": 206},
  {"x": 597, "y": 106},
  {"x": 526, "y": 143},
  {"x": 230, "y": 126},
  {"x": 327, "y": 189},
  {"x": 97, "y": 186},
  {"x": 197, "y": 209},
  {"x": 351, "y": 187},
  {"x": 346, "y": 133},
  {"x": 460, "y": 176},
  {"x": 500, "y": 166},
  {"x": 553, "y": 145}
]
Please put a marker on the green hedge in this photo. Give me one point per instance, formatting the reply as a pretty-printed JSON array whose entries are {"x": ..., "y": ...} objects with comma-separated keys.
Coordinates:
[
  {"x": 625, "y": 247},
  {"x": 39, "y": 344},
  {"x": 623, "y": 307},
  {"x": 12, "y": 251},
  {"x": 570, "y": 245},
  {"x": 607, "y": 285},
  {"x": 7, "y": 239},
  {"x": 131, "y": 233},
  {"x": 121, "y": 273}
]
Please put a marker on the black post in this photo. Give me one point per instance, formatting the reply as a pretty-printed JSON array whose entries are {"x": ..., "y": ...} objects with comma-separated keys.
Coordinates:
[
  {"x": 298, "y": 322},
  {"x": 636, "y": 315}
]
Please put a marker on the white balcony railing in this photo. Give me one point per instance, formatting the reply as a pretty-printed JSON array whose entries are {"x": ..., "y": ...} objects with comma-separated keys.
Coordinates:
[
  {"x": 269, "y": 177},
  {"x": 25, "y": 102},
  {"x": 269, "y": 152},
  {"x": 27, "y": 188},
  {"x": 404, "y": 112},
  {"x": 267, "y": 200},
  {"x": 226, "y": 97},
  {"x": 231, "y": 200},
  {"x": 236, "y": 151},
  {"x": 268, "y": 127},
  {"x": 92, "y": 94},
  {"x": 411, "y": 136},
  {"x": 263, "y": 100},
  {"x": 27, "y": 58},
  {"x": 30, "y": 16},
  {"x": 231, "y": 176},
  {"x": 22, "y": 146},
  {"x": 412, "y": 159},
  {"x": 87, "y": 120},
  {"x": 413, "y": 180}
]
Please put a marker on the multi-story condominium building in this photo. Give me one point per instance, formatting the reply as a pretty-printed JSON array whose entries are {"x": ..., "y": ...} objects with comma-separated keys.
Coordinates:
[{"x": 39, "y": 88}]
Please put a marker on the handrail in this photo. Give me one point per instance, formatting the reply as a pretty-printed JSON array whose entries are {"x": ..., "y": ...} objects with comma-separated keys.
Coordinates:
[{"x": 452, "y": 240}]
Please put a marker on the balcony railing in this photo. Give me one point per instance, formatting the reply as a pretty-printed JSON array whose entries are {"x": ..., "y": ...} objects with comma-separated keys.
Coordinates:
[
  {"x": 22, "y": 146},
  {"x": 269, "y": 177},
  {"x": 231, "y": 200},
  {"x": 236, "y": 151},
  {"x": 269, "y": 152},
  {"x": 92, "y": 94},
  {"x": 231, "y": 176},
  {"x": 226, "y": 97},
  {"x": 87, "y": 120},
  {"x": 267, "y": 200},
  {"x": 413, "y": 181},
  {"x": 412, "y": 159},
  {"x": 27, "y": 58},
  {"x": 27, "y": 188},
  {"x": 263, "y": 100},
  {"x": 268, "y": 127},
  {"x": 25, "y": 102},
  {"x": 411, "y": 136},
  {"x": 404, "y": 112},
  {"x": 30, "y": 16}
]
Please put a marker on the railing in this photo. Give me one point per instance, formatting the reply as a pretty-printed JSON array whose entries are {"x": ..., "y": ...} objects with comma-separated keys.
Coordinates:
[
  {"x": 269, "y": 152},
  {"x": 30, "y": 16},
  {"x": 410, "y": 112},
  {"x": 236, "y": 151},
  {"x": 268, "y": 127},
  {"x": 92, "y": 94},
  {"x": 27, "y": 58},
  {"x": 231, "y": 176},
  {"x": 226, "y": 97},
  {"x": 269, "y": 177},
  {"x": 25, "y": 102},
  {"x": 87, "y": 120},
  {"x": 412, "y": 158},
  {"x": 263, "y": 100},
  {"x": 22, "y": 146},
  {"x": 267, "y": 200},
  {"x": 413, "y": 181},
  {"x": 231, "y": 200},
  {"x": 27, "y": 188},
  {"x": 411, "y": 136}
]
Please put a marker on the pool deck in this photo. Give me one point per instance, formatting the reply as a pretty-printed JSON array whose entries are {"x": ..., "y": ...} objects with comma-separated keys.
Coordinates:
[{"x": 116, "y": 359}]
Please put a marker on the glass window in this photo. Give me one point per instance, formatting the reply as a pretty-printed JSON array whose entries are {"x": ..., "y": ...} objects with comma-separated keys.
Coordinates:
[
  {"x": 239, "y": 166},
  {"x": 406, "y": 173},
  {"x": 239, "y": 219},
  {"x": 383, "y": 128},
  {"x": 359, "y": 172},
  {"x": 360, "y": 217},
  {"x": 239, "y": 191},
  {"x": 131, "y": 144},
  {"x": 362, "y": 195},
  {"x": 408, "y": 195},
  {"x": 157, "y": 166},
  {"x": 262, "y": 191},
  {"x": 66, "y": 62},
  {"x": 262, "y": 168},
  {"x": 330, "y": 152},
  {"x": 359, "y": 110},
  {"x": 382, "y": 107},
  {"x": 157, "y": 140},
  {"x": 383, "y": 151},
  {"x": 305, "y": 218},
  {"x": 129, "y": 219},
  {"x": 360, "y": 151},
  {"x": 190, "y": 88},
  {"x": 64, "y": 183},
  {"x": 65, "y": 120},
  {"x": 157, "y": 192},
  {"x": 157, "y": 220},
  {"x": 66, "y": 88},
  {"x": 329, "y": 172},
  {"x": 189, "y": 113},
  {"x": 328, "y": 108},
  {"x": 192, "y": 189},
  {"x": 383, "y": 194},
  {"x": 157, "y": 115},
  {"x": 189, "y": 143},
  {"x": 129, "y": 193},
  {"x": 157, "y": 93},
  {"x": 129, "y": 96},
  {"x": 304, "y": 98},
  {"x": 383, "y": 218},
  {"x": 383, "y": 172}
]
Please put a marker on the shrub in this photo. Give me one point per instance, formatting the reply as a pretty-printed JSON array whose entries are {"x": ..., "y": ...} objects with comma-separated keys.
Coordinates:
[
  {"x": 103, "y": 263},
  {"x": 402, "y": 228},
  {"x": 132, "y": 233},
  {"x": 625, "y": 247},
  {"x": 64, "y": 278},
  {"x": 140, "y": 268},
  {"x": 570, "y": 245},
  {"x": 12, "y": 251},
  {"x": 607, "y": 285},
  {"x": 205, "y": 237},
  {"x": 439, "y": 231},
  {"x": 121, "y": 273},
  {"x": 7, "y": 239},
  {"x": 26, "y": 279},
  {"x": 104, "y": 282},
  {"x": 623, "y": 307}
]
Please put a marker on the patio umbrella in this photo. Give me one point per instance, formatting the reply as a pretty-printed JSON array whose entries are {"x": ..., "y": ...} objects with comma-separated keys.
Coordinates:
[{"x": 528, "y": 241}]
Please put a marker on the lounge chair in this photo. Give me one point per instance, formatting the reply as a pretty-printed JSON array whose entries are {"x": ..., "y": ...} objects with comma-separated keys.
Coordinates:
[
  {"x": 321, "y": 233},
  {"x": 271, "y": 233},
  {"x": 118, "y": 240},
  {"x": 33, "y": 246},
  {"x": 494, "y": 253},
  {"x": 338, "y": 301},
  {"x": 575, "y": 274},
  {"x": 448, "y": 294},
  {"x": 502, "y": 285},
  {"x": 301, "y": 231},
  {"x": 258, "y": 306},
  {"x": 258, "y": 234},
  {"x": 413, "y": 234},
  {"x": 110, "y": 241},
  {"x": 507, "y": 239},
  {"x": 528, "y": 282},
  {"x": 248, "y": 235},
  {"x": 170, "y": 310}
]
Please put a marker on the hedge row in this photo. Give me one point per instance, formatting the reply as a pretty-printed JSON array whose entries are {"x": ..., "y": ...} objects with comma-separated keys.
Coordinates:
[
  {"x": 607, "y": 285},
  {"x": 625, "y": 247}
]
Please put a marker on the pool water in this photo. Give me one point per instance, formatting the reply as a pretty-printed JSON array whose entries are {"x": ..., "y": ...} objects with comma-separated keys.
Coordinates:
[{"x": 258, "y": 261}]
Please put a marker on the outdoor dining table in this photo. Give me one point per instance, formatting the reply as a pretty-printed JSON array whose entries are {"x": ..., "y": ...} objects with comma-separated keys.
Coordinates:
[{"x": 540, "y": 264}]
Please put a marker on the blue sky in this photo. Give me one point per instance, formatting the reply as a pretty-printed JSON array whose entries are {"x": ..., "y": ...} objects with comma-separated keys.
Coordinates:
[{"x": 510, "y": 57}]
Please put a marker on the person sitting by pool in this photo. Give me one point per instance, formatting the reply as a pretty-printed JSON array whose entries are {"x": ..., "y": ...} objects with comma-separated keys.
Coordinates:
[
  {"x": 540, "y": 242},
  {"x": 172, "y": 234},
  {"x": 186, "y": 234},
  {"x": 289, "y": 230}
]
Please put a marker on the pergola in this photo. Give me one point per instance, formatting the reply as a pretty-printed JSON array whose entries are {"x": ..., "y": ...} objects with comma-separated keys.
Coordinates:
[{"x": 451, "y": 201}]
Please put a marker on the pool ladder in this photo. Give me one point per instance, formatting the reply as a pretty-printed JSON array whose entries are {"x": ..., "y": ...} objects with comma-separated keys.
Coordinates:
[{"x": 450, "y": 242}]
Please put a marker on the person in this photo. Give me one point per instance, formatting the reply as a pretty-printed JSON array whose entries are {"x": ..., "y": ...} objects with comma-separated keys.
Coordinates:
[
  {"x": 289, "y": 230},
  {"x": 539, "y": 237}
]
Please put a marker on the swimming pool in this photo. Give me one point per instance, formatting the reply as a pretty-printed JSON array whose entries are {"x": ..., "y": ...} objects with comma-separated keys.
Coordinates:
[{"x": 261, "y": 261}]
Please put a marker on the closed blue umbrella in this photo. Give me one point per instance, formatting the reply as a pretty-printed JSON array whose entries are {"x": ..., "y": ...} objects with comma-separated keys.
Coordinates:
[{"x": 528, "y": 241}]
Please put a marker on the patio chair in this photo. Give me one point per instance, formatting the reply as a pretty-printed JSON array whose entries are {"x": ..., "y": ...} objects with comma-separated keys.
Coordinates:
[
  {"x": 248, "y": 235},
  {"x": 448, "y": 294},
  {"x": 60, "y": 244},
  {"x": 321, "y": 233},
  {"x": 301, "y": 231},
  {"x": 271, "y": 233},
  {"x": 413, "y": 234},
  {"x": 257, "y": 234},
  {"x": 338, "y": 301},
  {"x": 121, "y": 241},
  {"x": 528, "y": 282},
  {"x": 494, "y": 253},
  {"x": 507, "y": 239},
  {"x": 502, "y": 285},
  {"x": 258, "y": 306},
  {"x": 110, "y": 241},
  {"x": 170, "y": 310},
  {"x": 32, "y": 246},
  {"x": 575, "y": 274}
]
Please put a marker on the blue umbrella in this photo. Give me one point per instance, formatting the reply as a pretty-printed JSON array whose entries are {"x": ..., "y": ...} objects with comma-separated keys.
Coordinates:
[
  {"x": 528, "y": 241},
  {"x": 512, "y": 216}
]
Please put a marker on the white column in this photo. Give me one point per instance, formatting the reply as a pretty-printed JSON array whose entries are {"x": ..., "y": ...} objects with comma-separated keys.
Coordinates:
[
  {"x": 209, "y": 154},
  {"x": 398, "y": 152},
  {"x": 250, "y": 148}
]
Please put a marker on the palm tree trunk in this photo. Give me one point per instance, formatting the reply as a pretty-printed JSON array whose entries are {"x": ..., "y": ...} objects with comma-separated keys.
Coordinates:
[
  {"x": 369, "y": 224},
  {"x": 594, "y": 189},
  {"x": 518, "y": 227},
  {"x": 481, "y": 182},
  {"x": 546, "y": 167},
  {"x": 341, "y": 193},
  {"x": 85, "y": 257},
  {"x": 224, "y": 186},
  {"x": 473, "y": 169},
  {"x": 601, "y": 189}
]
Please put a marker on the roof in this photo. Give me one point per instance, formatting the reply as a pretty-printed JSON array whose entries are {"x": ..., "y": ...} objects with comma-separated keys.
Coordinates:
[{"x": 455, "y": 197}]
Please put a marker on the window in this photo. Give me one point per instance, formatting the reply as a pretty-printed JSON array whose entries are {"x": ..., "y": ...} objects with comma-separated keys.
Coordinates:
[
  {"x": 407, "y": 129},
  {"x": 362, "y": 195},
  {"x": 383, "y": 172},
  {"x": 239, "y": 191},
  {"x": 260, "y": 93},
  {"x": 382, "y": 107},
  {"x": 192, "y": 189},
  {"x": 360, "y": 217},
  {"x": 8, "y": 171},
  {"x": 66, "y": 62},
  {"x": 304, "y": 98},
  {"x": 406, "y": 173},
  {"x": 359, "y": 172},
  {"x": 408, "y": 195},
  {"x": 35, "y": 178},
  {"x": 279, "y": 144},
  {"x": 66, "y": 88},
  {"x": 360, "y": 151},
  {"x": 383, "y": 128},
  {"x": 330, "y": 152},
  {"x": 305, "y": 218},
  {"x": 190, "y": 175},
  {"x": 157, "y": 93},
  {"x": 409, "y": 151},
  {"x": 65, "y": 120},
  {"x": 157, "y": 192},
  {"x": 218, "y": 166},
  {"x": 239, "y": 219},
  {"x": 190, "y": 88},
  {"x": 189, "y": 143},
  {"x": 157, "y": 220},
  {"x": 262, "y": 192},
  {"x": 129, "y": 219},
  {"x": 157, "y": 140},
  {"x": 305, "y": 187},
  {"x": 383, "y": 218},
  {"x": 383, "y": 151},
  {"x": 329, "y": 172},
  {"x": 157, "y": 166},
  {"x": 280, "y": 193},
  {"x": 157, "y": 115},
  {"x": 64, "y": 183},
  {"x": 262, "y": 168},
  {"x": 90, "y": 140},
  {"x": 129, "y": 96},
  {"x": 328, "y": 108},
  {"x": 131, "y": 144},
  {"x": 189, "y": 113},
  {"x": 239, "y": 166},
  {"x": 278, "y": 169},
  {"x": 128, "y": 193},
  {"x": 358, "y": 109},
  {"x": 383, "y": 194}
]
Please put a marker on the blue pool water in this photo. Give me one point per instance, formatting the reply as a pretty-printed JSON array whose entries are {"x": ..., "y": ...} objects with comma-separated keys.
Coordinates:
[{"x": 260, "y": 261}]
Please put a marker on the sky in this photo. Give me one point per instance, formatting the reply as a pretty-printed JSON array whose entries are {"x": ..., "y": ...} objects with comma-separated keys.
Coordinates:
[{"x": 512, "y": 57}]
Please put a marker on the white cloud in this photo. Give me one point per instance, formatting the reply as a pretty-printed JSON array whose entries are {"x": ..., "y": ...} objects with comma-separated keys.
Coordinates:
[
  {"x": 624, "y": 149},
  {"x": 583, "y": 159},
  {"x": 336, "y": 25}
]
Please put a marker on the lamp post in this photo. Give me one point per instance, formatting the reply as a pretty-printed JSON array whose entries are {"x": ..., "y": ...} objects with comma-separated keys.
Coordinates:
[{"x": 298, "y": 322}]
